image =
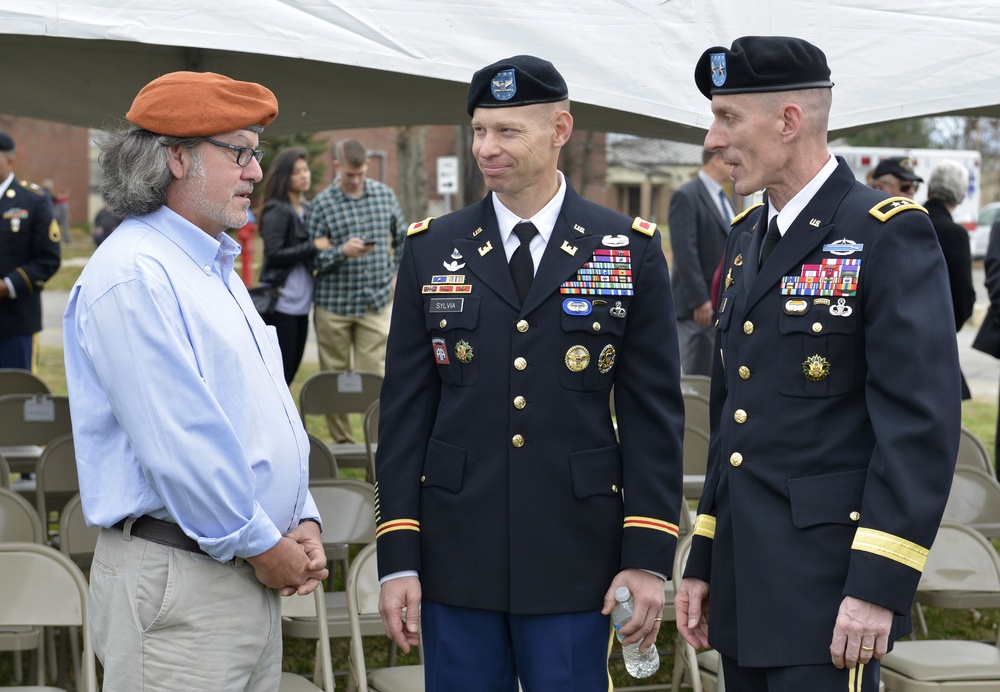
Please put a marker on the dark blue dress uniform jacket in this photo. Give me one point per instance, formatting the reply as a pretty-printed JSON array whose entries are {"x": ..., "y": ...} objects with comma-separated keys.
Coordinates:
[
  {"x": 835, "y": 485},
  {"x": 500, "y": 479},
  {"x": 29, "y": 255}
]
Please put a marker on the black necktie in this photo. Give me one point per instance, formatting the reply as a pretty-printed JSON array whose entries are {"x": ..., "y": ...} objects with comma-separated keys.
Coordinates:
[
  {"x": 771, "y": 239},
  {"x": 522, "y": 268}
]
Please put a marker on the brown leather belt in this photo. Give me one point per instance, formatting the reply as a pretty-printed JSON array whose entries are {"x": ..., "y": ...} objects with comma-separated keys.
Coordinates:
[{"x": 163, "y": 532}]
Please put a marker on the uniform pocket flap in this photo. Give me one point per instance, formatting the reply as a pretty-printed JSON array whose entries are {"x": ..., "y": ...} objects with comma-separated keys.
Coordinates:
[
  {"x": 444, "y": 466},
  {"x": 829, "y": 498},
  {"x": 818, "y": 321},
  {"x": 596, "y": 472}
]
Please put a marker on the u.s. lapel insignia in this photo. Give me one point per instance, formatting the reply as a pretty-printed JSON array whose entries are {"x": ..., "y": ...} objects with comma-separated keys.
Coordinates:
[
  {"x": 578, "y": 228},
  {"x": 477, "y": 231},
  {"x": 485, "y": 248},
  {"x": 568, "y": 249},
  {"x": 814, "y": 223},
  {"x": 816, "y": 368}
]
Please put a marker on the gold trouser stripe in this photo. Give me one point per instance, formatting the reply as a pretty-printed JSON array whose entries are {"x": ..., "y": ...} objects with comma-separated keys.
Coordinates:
[
  {"x": 651, "y": 523},
  {"x": 34, "y": 353},
  {"x": 611, "y": 643},
  {"x": 398, "y": 525},
  {"x": 892, "y": 547},
  {"x": 704, "y": 525},
  {"x": 855, "y": 678}
]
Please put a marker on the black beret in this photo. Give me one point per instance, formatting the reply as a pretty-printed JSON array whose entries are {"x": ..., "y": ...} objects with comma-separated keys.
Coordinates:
[
  {"x": 899, "y": 166},
  {"x": 516, "y": 81},
  {"x": 6, "y": 143},
  {"x": 762, "y": 63}
]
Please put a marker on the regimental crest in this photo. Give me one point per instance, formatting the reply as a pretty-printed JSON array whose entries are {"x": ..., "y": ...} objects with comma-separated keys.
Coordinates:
[
  {"x": 503, "y": 86},
  {"x": 718, "y": 63}
]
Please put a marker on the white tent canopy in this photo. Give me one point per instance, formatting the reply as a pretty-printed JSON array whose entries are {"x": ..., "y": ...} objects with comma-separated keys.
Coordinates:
[{"x": 358, "y": 63}]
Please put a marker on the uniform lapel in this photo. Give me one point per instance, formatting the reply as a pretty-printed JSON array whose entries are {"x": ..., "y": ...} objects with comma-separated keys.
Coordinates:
[{"x": 484, "y": 256}]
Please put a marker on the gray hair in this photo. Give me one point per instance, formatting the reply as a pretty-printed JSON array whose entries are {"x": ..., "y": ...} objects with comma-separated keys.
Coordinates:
[
  {"x": 948, "y": 183},
  {"x": 134, "y": 170}
]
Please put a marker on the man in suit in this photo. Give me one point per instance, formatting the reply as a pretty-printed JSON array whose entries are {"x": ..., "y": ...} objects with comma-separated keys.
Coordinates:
[
  {"x": 700, "y": 213},
  {"x": 508, "y": 511},
  {"x": 30, "y": 239},
  {"x": 835, "y": 395}
]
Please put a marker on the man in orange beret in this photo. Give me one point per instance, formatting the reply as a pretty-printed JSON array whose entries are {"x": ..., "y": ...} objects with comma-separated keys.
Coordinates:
[{"x": 190, "y": 452}]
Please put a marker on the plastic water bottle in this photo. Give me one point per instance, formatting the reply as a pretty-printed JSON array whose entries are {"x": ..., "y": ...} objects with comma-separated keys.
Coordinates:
[{"x": 639, "y": 665}]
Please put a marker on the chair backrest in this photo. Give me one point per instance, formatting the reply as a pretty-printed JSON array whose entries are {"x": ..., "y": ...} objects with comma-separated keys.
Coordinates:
[
  {"x": 313, "y": 606},
  {"x": 77, "y": 540},
  {"x": 347, "y": 508},
  {"x": 974, "y": 498},
  {"x": 696, "y": 411},
  {"x": 695, "y": 450},
  {"x": 696, "y": 384},
  {"x": 961, "y": 559},
  {"x": 51, "y": 591},
  {"x": 18, "y": 520},
  {"x": 972, "y": 452},
  {"x": 4, "y": 472},
  {"x": 370, "y": 426},
  {"x": 322, "y": 462},
  {"x": 338, "y": 391},
  {"x": 56, "y": 479},
  {"x": 16, "y": 381},
  {"x": 33, "y": 419}
]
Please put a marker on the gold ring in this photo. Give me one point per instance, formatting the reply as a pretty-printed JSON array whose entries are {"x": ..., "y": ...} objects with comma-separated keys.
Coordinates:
[
  {"x": 657, "y": 619},
  {"x": 867, "y": 648}
]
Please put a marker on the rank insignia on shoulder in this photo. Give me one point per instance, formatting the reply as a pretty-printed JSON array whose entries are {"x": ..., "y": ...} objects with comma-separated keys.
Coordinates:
[
  {"x": 643, "y": 226},
  {"x": 887, "y": 208},
  {"x": 419, "y": 226},
  {"x": 739, "y": 217}
]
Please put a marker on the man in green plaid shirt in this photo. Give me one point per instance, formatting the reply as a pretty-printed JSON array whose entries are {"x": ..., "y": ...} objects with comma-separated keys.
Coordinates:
[{"x": 356, "y": 276}]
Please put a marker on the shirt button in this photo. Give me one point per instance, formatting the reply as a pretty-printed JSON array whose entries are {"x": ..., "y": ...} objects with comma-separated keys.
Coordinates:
[
  {"x": 443, "y": 323},
  {"x": 744, "y": 372},
  {"x": 520, "y": 363},
  {"x": 520, "y": 402},
  {"x": 207, "y": 268},
  {"x": 517, "y": 440},
  {"x": 736, "y": 459},
  {"x": 740, "y": 416},
  {"x": 748, "y": 327},
  {"x": 522, "y": 326},
  {"x": 817, "y": 327}
]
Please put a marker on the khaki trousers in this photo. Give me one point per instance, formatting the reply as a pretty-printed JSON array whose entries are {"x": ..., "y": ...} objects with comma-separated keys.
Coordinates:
[
  {"x": 338, "y": 338},
  {"x": 168, "y": 619}
]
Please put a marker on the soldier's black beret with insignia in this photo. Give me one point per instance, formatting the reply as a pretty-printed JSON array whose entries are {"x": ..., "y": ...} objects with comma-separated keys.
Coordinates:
[
  {"x": 517, "y": 81},
  {"x": 6, "y": 142},
  {"x": 758, "y": 64}
]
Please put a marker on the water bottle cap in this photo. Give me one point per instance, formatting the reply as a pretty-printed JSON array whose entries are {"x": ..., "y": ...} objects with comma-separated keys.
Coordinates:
[{"x": 622, "y": 594}]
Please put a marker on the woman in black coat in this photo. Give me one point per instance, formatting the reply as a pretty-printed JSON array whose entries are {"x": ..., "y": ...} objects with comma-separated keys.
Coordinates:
[{"x": 288, "y": 252}]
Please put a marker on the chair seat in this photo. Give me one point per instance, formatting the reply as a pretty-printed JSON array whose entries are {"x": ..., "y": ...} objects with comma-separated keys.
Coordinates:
[
  {"x": 709, "y": 660},
  {"x": 941, "y": 660},
  {"x": 336, "y": 613},
  {"x": 350, "y": 454},
  {"x": 959, "y": 599},
  {"x": 19, "y": 637},
  {"x": 397, "y": 679},
  {"x": 290, "y": 682}
]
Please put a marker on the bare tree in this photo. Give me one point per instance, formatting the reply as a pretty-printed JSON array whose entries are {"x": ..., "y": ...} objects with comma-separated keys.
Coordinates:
[{"x": 412, "y": 173}]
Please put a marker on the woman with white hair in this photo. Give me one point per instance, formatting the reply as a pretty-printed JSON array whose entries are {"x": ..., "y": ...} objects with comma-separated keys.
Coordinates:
[{"x": 945, "y": 190}]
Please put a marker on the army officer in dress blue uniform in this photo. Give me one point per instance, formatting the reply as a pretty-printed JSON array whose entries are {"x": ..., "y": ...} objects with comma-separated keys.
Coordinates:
[
  {"x": 29, "y": 255},
  {"x": 505, "y": 499},
  {"x": 835, "y": 394}
]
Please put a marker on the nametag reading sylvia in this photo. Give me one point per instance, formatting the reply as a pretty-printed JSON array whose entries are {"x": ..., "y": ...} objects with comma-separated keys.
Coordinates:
[
  {"x": 349, "y": 382},
  {"x": 39, "y": 409}
]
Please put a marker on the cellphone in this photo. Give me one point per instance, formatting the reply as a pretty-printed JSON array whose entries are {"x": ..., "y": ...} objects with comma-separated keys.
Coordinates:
[{"x": 370, "y": 242}]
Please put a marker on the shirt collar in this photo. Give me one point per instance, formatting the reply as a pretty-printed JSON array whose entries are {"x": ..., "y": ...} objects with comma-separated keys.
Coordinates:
[
  {"x": 797, "y": 203},
  {"x": 544, "y": 220},
  {"x": 203, "y": 249},
  {"x": 713, "y": 187}
]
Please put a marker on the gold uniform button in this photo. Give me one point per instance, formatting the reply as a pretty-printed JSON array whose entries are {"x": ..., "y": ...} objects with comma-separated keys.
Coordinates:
[
  {"x": 517, "y": 440},
  {"x": 443, "y": 323},
  {"x": 614, "y": 488},
  {"x": 520, "y": 402},
  {"x": 736, "y": 459},
  {"x": 597, "y": 326},
  {"x": 740, "y": 416},
  {"x": 744, "y": 372},
  {"x": 748, "y": 327},
  {"x": 817, "y": 327},
  {"x": 855, "y": 516},
  {"x": 423, "y": 479},
  {"x": 520, "y": 363},
  {"x": 522, "y": 326}
]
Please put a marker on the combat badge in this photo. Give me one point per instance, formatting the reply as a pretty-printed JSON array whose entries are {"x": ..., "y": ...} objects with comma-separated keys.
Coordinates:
[
  {"x": 618, "y": 312},
  {"x": 816, "y": 368},
  {"x": 606, "y": 360},
  {"x": 463, "y": 351},
  {"x": 576, "y": 306},
  {"x": 440, "y": 351},
  {"x": 843, "y": 247},
  {"x": 577, "y": 358},
  {"x": 454, "y": 265},
  {"x": 614, "y": 240},
  {"x": 841, "y": 309}
]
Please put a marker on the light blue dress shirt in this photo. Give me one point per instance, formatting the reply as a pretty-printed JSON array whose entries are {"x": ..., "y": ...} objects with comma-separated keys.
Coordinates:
[{"x": 179, "y": 404}]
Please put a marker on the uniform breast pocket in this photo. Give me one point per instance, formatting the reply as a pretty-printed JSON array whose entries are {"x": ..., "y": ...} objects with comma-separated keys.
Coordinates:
[
  {"x": 818, "y": 353},
  {"x": 453, "y": 323},
  {"x": 591, "y": 345}
]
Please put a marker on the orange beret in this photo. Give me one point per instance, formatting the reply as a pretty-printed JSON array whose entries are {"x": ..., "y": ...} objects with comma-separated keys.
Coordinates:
[{"x": 201, "y": 104}]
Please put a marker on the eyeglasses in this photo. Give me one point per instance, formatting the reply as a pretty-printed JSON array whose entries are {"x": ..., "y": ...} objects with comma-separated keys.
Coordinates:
[
  {"x": 243, "y": 154},
  {"x": 904, "y": 186}
]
